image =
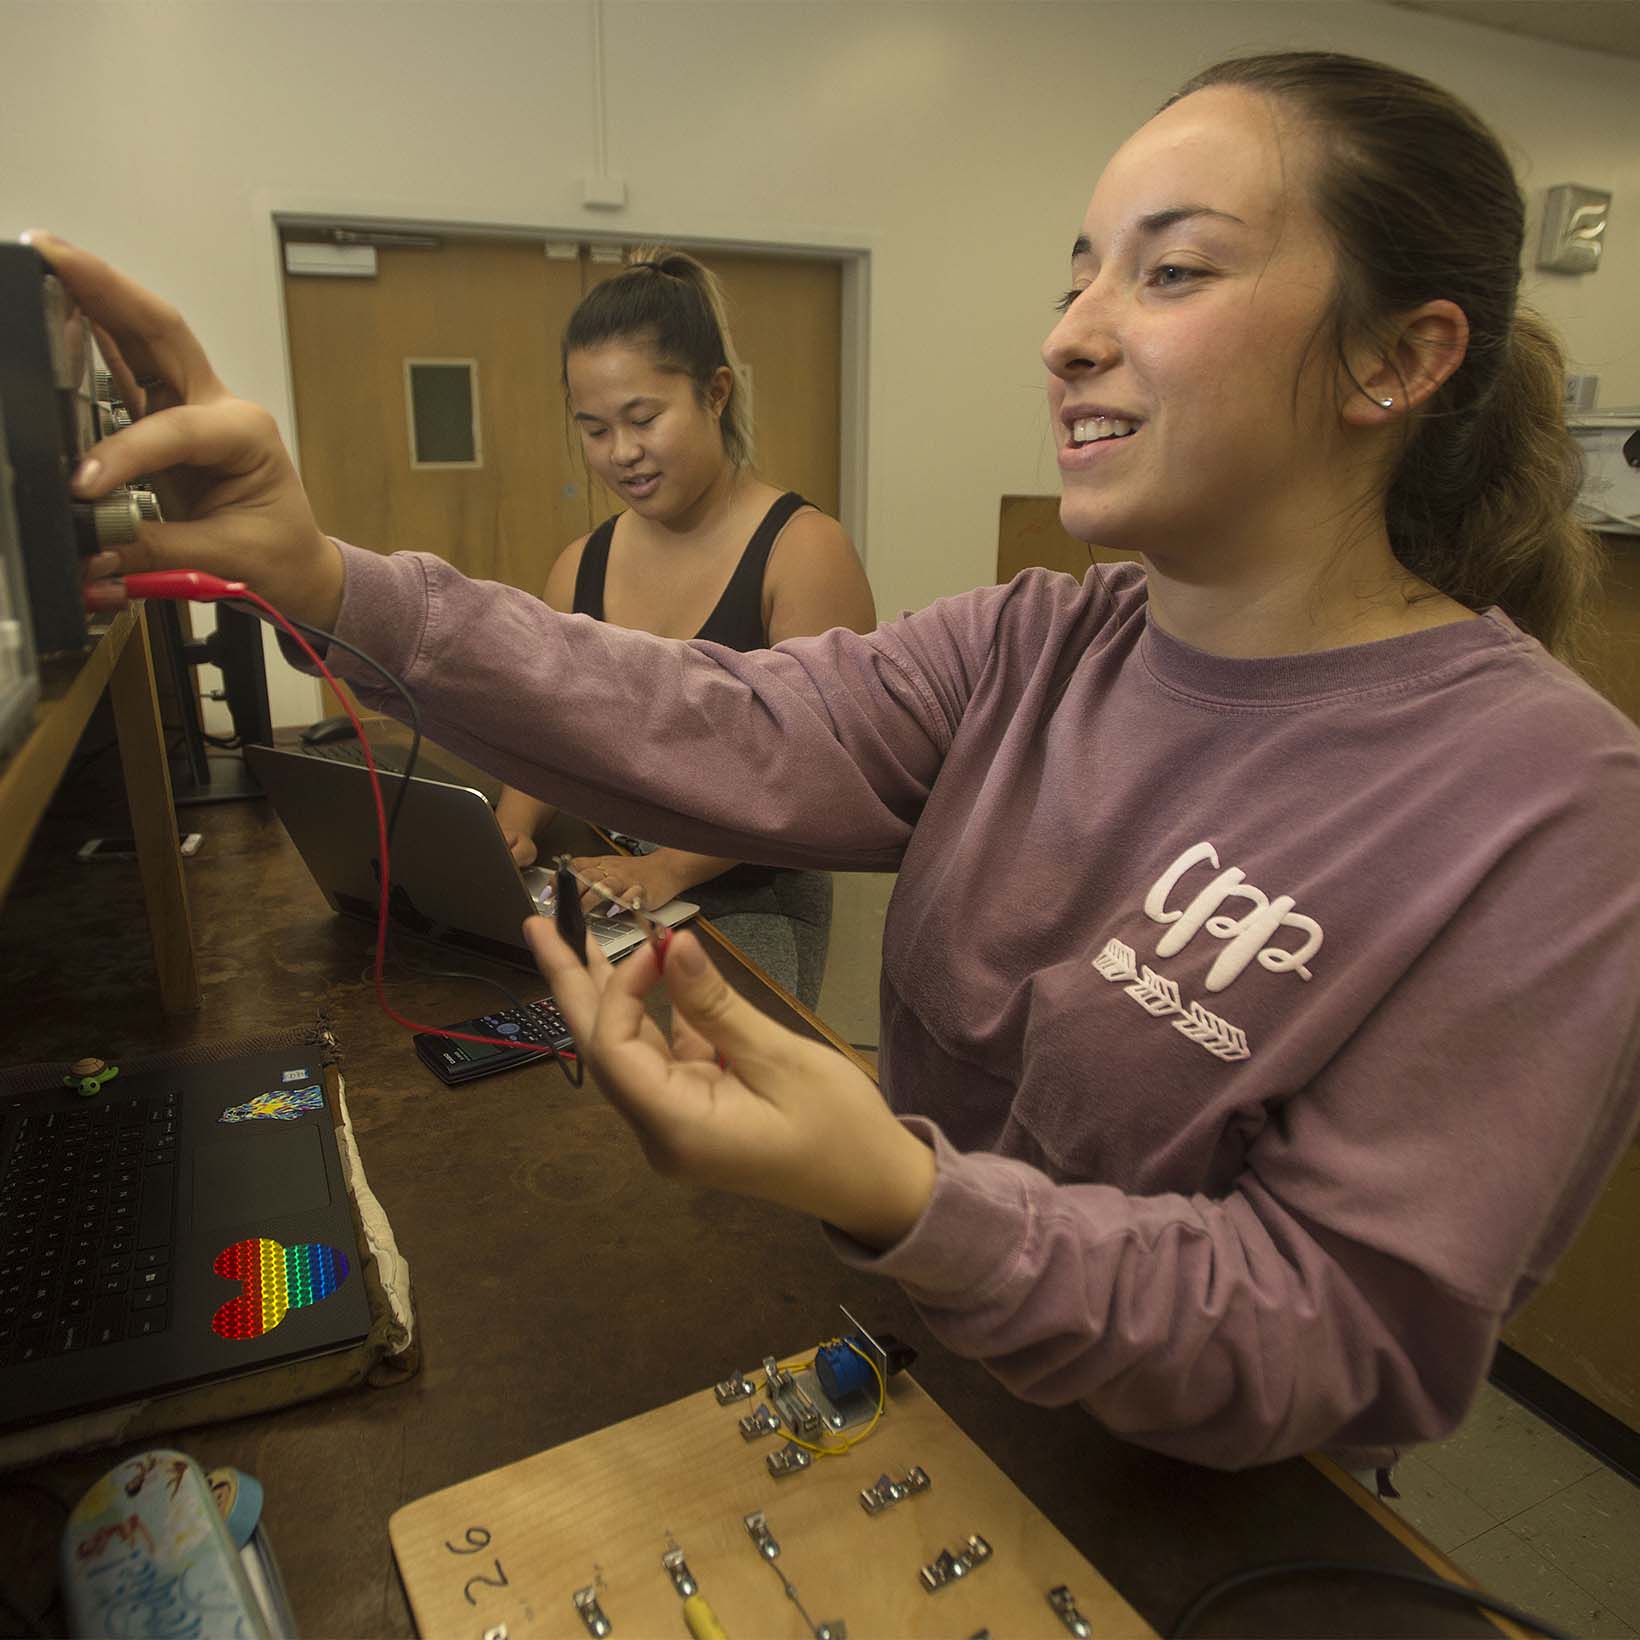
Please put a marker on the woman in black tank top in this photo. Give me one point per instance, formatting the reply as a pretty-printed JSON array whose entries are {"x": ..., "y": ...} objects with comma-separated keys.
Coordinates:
[{"x": 705, "y": 550}]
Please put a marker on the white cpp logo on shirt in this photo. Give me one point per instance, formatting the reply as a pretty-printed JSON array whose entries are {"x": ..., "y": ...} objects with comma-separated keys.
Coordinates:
[{"x": 1249, "y": 935}]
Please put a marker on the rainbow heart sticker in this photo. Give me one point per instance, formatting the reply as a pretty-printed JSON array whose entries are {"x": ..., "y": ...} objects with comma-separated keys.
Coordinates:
[{"x": 276, "y": 1279}]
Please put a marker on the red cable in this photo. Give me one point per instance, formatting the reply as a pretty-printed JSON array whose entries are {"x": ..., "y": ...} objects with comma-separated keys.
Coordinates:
[{"x": 199, "y": 587}]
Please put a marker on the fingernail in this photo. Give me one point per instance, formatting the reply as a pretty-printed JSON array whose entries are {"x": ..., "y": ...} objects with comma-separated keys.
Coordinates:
[
  {"x": 690, "y": 960},
  {"x": 87, "y": 473},
  {"x": 104, "y": 595},
  {"x": 103, "y": 563}
]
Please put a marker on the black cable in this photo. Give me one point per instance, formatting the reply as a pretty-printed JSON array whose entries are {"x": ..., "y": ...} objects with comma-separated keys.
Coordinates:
[
  {"x": 397, "y": 683},
  {"x": 399, "y": 957},
  {"x": 1282, "y": 1570},
  {"x": 571, "y": 1064}
]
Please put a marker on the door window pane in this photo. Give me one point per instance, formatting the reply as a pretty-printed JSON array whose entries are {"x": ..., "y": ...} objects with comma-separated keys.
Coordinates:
[{"x": 443, "y": 402}]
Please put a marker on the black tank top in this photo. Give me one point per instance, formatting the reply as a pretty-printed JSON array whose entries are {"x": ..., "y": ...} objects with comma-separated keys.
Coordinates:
[{"x": 737, "y": 621}]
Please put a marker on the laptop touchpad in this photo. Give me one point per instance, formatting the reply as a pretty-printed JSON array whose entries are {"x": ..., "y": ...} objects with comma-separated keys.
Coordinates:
[{"x": 265, "y": 1175}]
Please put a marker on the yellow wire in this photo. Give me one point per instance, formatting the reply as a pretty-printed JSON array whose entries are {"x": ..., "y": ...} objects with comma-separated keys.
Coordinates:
[{"x": 853, "y": 1440}]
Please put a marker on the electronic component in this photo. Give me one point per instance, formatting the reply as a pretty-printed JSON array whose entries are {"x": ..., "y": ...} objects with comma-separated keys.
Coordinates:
[
  {"x": 677, "y": 1568},
  {"x": 760, "y": 1421},
  {"x": 45, "y": 375},
  {"x": 788, "y": 1460},
  {"x": 56, "y": 404},
  {"x": 757, "y": 1529},
  {"x": 1064, "y": 1604},
  {"x": 592, "y": 1614},
  {"x": 734, "y": 1389},
  {"x": 567, "y": 914},
  {"x": 845, "y": 1386},
  {"x": 536, "y": 1027},
  {"x": 1608, "y": 496},
  {"x": 843, "y": 1371},
  {"x": 19, "y": 672},
  {"x": 951, "y": 1566},
  {"x": 887, "y": 1491},
  {"x": 698, "y": 1617},
  {"x": 797, "y": 1408}
]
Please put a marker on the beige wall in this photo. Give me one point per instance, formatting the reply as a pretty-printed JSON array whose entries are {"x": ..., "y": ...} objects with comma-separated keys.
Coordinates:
[{"x": 955, "y": 142}]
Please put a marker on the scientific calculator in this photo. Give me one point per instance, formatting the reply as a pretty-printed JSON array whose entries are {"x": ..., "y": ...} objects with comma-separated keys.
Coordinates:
[{"x": 534, "y": 1026}]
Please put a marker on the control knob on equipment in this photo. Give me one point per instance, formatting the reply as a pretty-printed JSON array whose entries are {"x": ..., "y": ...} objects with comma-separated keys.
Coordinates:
[
  {"x": 111, "y": 522},
  {"x": 114, "y": 414}
]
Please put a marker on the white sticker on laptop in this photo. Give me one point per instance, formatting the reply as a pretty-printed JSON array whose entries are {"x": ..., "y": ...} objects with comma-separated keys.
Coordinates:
[{"x": 294, "y": 1076}]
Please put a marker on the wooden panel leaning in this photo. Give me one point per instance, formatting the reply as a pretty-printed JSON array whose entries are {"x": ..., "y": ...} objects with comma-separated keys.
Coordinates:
[
  {"x": 1029, "y": 533},
  {"x": 154, "y": 820},
  {"x": 121, "y": 662},
  {"x": 509, "y": 1550}
]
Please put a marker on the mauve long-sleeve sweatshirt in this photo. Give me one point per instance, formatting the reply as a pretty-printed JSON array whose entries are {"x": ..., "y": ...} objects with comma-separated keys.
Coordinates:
[{"x": 1274, "y": 1022}]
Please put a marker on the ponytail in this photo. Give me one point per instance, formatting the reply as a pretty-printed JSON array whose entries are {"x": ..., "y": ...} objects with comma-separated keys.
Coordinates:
[
  {"x": 1481, "y": 502},
  {"x": 675, "y": 305}
]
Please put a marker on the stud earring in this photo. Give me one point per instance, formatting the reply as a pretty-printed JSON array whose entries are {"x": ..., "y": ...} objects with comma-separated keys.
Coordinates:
[{"x": 1386, "y": 403}]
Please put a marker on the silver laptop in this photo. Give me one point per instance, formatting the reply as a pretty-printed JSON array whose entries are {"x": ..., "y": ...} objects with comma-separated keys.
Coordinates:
[{"x": 452, "y": 878}]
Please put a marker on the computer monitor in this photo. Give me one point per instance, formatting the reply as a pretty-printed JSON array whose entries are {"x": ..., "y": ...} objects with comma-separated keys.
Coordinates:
[{"x": 204, "y": 767}]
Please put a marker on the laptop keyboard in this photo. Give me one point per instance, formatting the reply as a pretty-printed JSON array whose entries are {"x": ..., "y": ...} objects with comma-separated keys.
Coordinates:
[
  {"x": 350, "y": 751},
  {"x": 86, "y": 1219},
  {"x": 389, "y": 759}
]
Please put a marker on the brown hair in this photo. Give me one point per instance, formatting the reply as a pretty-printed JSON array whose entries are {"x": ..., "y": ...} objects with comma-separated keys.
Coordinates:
[
  {"x": 1422, "y": 204},
  {"x": 675, "y": 305}
]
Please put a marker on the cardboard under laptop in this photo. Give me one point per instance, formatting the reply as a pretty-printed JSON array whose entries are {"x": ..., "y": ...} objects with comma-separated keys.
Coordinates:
[
  {"x": 174, "y": 1227},
  {"x": 453, "y": 879}
]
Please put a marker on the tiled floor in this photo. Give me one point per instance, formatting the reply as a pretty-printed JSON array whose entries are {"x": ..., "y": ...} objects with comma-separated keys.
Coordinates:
[
  {"x": 1531, "y": 1516},
  {"x": 1528, "y": 1514}
]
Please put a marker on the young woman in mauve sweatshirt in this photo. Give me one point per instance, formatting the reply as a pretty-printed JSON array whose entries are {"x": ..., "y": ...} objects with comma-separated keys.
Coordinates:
[{"x": 1261, "y": 984}]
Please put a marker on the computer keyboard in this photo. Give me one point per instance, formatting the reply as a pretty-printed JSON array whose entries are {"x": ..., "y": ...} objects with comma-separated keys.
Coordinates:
[
  {"x": 390, "y": 758},
  {"x": 86, "y": 1197}
]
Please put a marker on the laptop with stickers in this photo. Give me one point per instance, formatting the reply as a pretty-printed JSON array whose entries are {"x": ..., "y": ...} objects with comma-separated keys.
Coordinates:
[
  {"x": 167, "y": 1229},
  {"x": 453, "y": 880}
]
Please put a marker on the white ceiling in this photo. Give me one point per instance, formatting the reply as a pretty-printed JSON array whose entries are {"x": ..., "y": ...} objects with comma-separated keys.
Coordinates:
[{"x": 1598, "y": 25}]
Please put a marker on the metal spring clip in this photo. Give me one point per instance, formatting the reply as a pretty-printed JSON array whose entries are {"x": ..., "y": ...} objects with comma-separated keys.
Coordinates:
[
  {"x": 887, "y": 1491},
  {"x": 757, "y": 1529},
  {"x": 734, "y": 1389},
  {"x": 947, "y": 1568},
  {"x": 592, "y": 1614},
  {"x": 760, "y": 1422},
  {"x": 788, "y": 1460},
  {"x": 1064, "y": 1603}
]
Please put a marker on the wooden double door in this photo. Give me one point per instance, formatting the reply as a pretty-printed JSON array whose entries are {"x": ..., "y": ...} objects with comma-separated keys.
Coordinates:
[{"x": 499, "y": 307}]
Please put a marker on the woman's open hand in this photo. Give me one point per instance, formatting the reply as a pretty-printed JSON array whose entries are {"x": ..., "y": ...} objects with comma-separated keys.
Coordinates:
[
  {"x": 650, "y": 877},
  {"x": 734, "y": 1100},
  {"x": 233, "y": 504}
]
